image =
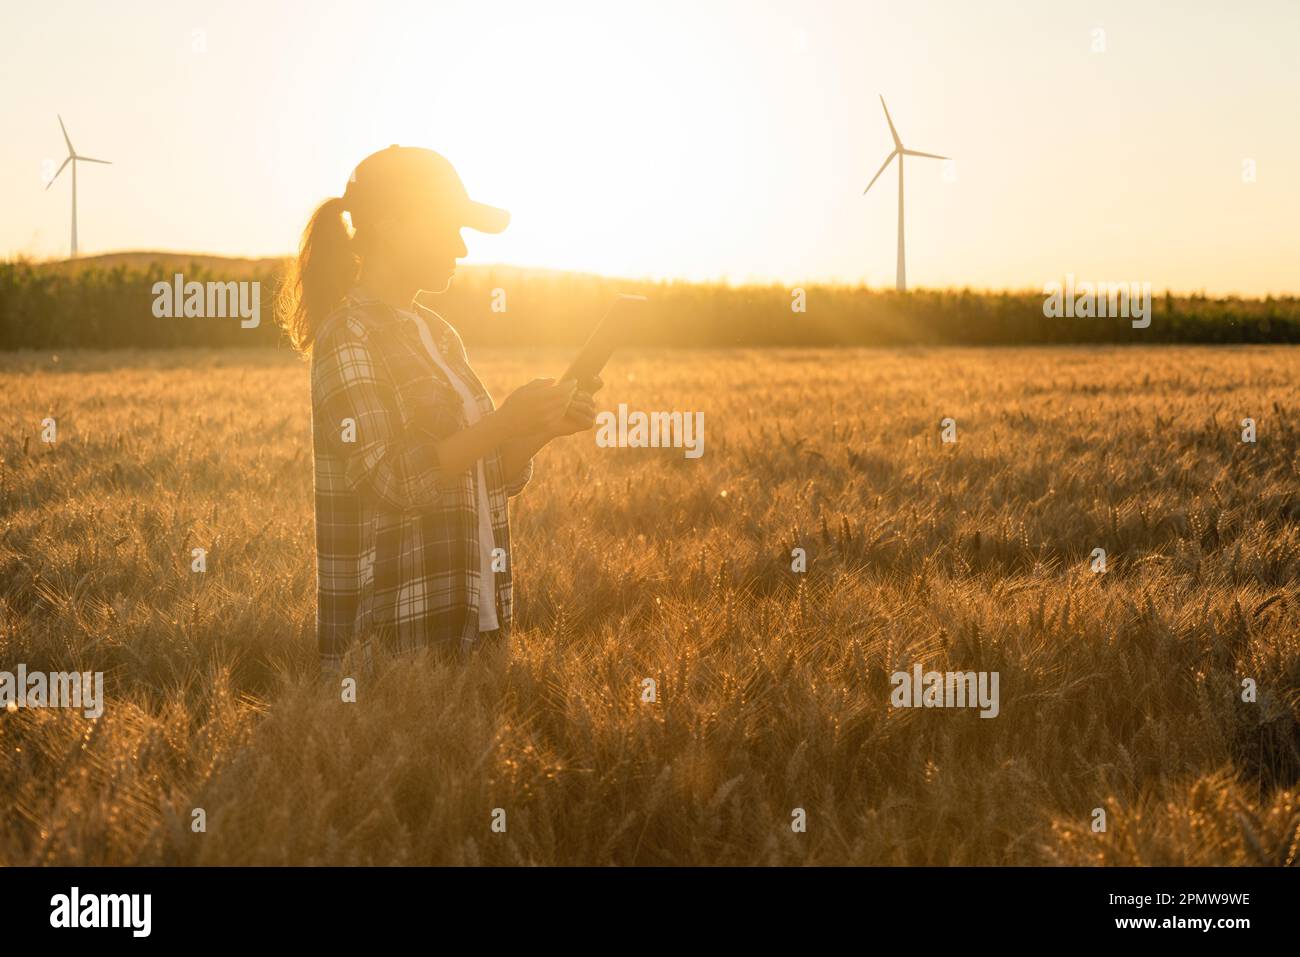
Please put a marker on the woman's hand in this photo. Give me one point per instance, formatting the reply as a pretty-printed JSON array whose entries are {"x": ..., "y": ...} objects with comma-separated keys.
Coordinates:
[
  {"x": 535, "y": 407},
  {"x": 581, "y": 413}
]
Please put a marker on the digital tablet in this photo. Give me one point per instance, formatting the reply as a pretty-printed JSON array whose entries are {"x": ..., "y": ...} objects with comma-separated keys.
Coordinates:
[{"x": 609, "y": 333}]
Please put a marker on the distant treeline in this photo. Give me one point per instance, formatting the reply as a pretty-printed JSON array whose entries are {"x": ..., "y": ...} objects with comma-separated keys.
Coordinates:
[{"x": 42, "y": 307}]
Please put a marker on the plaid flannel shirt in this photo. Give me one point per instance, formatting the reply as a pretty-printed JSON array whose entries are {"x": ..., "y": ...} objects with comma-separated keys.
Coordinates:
[{"x": 397, "y": 546}]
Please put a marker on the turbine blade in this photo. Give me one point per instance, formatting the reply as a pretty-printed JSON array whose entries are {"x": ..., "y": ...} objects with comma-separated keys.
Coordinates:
[
  {"x": 933, "y": 156},
  {"x": 87, "y": 159},
  {"x": 57, "y": 172},
  {"x": 892, "y": 132},
  {"x": 65, "y": 135},
  {"x": 881, "y": 170}
]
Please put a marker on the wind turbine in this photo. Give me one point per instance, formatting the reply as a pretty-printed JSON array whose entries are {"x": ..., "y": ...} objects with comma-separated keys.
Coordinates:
[
  {"x": 900, "y": 152},
  {"x": 72, "y": 158}
]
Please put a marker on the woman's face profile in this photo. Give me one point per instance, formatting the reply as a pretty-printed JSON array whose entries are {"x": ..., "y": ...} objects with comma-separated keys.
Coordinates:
[{"x": 424, "y": 244}]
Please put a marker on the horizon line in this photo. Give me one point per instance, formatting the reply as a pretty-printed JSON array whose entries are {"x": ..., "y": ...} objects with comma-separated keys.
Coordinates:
[{"x": 812, "y": 281}]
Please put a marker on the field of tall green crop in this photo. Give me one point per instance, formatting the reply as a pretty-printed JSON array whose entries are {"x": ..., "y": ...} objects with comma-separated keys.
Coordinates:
[{"x": 110, "y": 305}]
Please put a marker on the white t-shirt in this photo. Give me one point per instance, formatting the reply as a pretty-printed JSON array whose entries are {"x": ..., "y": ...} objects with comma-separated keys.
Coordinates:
[{"x": 487, "y": 596}]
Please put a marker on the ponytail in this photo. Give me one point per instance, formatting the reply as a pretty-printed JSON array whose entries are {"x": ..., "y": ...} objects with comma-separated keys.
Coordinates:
[{"x": 325, "y": 269}]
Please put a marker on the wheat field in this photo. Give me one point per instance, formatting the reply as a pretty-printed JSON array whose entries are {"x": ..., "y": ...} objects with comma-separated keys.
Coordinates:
[{"x": 1120, "y": 691}]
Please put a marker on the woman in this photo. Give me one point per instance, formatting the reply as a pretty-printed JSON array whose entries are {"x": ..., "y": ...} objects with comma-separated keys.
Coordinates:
[{"x": 413, "y": 462}]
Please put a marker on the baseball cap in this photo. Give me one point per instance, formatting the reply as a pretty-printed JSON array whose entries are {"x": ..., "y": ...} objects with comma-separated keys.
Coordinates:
[{"x": 400, "y": 177}]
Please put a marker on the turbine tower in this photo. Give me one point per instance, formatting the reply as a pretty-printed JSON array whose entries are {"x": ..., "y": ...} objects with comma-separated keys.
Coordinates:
[
  {"x": 900, "y": 152},
  {"x": 73, "y": 158}
]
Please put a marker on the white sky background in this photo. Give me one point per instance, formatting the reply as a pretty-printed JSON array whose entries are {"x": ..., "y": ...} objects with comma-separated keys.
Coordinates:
[{"x": 701, "y": 139}]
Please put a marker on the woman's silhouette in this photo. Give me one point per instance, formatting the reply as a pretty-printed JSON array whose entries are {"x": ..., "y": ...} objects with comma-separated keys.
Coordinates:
[{"x": 413, "y": 462}]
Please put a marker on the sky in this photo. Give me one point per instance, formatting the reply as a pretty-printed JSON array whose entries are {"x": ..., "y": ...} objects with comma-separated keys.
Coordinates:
[{"x": 1138, "y": 141}]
